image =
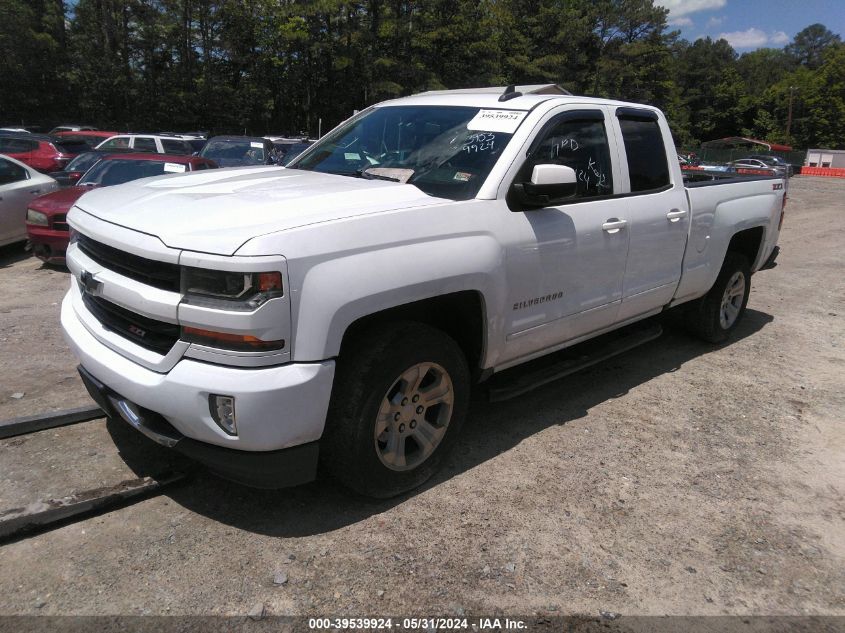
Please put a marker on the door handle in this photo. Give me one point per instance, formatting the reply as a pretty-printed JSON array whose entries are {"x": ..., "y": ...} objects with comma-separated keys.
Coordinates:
[
  {"x": 675, "y": 214},
  {"x": 614, "y": 225}
]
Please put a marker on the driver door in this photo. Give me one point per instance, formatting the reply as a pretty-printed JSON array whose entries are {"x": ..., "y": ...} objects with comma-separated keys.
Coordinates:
[{"x": 566, "y": 262}]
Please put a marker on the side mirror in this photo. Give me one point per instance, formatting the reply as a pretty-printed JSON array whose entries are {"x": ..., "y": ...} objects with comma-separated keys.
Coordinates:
[{"x": 549, "y": 185}]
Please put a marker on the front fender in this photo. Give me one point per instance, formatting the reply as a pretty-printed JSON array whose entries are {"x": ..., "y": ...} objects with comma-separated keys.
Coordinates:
[{"x": 337, "y": 292}]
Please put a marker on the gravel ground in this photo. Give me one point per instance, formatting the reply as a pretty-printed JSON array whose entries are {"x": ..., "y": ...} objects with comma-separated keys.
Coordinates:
[{"x": 677, "y": 479}]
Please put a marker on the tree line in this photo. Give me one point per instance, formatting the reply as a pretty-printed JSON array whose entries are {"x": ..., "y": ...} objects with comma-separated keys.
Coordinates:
[{"x": 283, "y": 66}]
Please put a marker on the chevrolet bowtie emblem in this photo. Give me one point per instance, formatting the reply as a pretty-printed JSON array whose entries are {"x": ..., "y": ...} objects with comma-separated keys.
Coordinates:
[{"x": 90, "y": 285}]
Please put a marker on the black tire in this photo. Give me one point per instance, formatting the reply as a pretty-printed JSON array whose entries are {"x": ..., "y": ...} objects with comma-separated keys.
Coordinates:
[
  {"x": 366, "y": 372},
  {"x": 704, "y": 315}
]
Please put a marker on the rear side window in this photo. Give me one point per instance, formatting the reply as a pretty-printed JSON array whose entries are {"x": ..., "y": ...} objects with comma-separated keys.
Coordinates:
[
  {"x": 120, "y": 142},
  {"x": 580, "y": 144},
  {"x": 647, "y": 164},
  {"x": 146, "y": 144},
  {"x": 17, "y": 145},
  {"x": 175, "y": 147},
  {"x": 9, "y": 172}
]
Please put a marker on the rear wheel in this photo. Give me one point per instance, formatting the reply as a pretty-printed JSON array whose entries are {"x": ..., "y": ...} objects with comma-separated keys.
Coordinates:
[
  {"x": 716, "y": 314},
  {"x": 400, "y": 397}
]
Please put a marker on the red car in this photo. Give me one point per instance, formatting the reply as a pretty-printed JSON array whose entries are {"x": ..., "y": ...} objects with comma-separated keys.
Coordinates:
[
  {"x": 44, "y": 153},
  {"x": 46, "y": 217}
]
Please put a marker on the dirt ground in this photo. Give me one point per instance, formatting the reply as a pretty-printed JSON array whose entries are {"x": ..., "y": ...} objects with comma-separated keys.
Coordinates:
[{"x": 676, "y": 479}]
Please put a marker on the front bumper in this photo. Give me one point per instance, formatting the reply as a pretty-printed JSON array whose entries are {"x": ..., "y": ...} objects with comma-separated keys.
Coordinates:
[
  {"x": 49, "y": 245},
  {"x": 261, "y": 469},
  {"x": 277, "y": 407}
]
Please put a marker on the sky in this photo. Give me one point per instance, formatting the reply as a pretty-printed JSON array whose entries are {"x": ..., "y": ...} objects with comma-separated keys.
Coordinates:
[{"x": 751, "y": 24}]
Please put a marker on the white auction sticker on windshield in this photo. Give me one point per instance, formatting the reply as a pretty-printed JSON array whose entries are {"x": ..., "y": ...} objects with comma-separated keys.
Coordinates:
[
  {"x": 257, "y": 144},
  {"x": 497, "y": 120},
  {"x": 175, "y": 168}
]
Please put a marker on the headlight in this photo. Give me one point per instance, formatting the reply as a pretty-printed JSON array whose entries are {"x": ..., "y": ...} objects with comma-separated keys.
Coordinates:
[
  {"x": 36, "y": 217},
  {"x": 251, "y": 289}
]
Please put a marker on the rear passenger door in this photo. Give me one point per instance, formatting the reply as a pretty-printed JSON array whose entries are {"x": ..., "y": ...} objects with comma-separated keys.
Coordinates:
[{"x": 657, "y": 212}]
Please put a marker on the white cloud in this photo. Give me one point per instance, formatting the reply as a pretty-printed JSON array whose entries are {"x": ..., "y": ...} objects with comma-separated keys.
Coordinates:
[
  {"x": 714, "y": 21},
  {"x": 679, "y": 22},
  {"x": 680, "y": 8},
  {"x": 754, "y": 38},
  {"x": 780, "y": 38}
]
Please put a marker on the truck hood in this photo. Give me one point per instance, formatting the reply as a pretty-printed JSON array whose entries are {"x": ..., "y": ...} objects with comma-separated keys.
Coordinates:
[{"x": 217, "y": 211}]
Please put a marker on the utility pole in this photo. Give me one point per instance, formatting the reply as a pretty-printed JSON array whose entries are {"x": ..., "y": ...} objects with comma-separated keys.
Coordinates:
[{"x": 789, "y": 115}]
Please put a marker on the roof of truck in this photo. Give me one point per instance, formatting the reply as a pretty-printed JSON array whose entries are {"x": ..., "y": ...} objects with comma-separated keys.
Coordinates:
[{"x": 489, "y": 98}]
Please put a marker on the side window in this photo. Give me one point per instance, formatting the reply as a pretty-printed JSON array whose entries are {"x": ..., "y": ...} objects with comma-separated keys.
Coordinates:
[
  {"x": 146, "y": 144},
  {"x": 10, "y": 172},
  {"x": 647, "y": 164},
  {"x": 579, "y": 143},
  {"x": 121, "y": 142},
  {"x": 172, "y": 146}
]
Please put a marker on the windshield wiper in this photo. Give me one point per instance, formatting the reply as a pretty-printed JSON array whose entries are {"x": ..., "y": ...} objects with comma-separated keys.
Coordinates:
[{"x": 363, "y": 173}]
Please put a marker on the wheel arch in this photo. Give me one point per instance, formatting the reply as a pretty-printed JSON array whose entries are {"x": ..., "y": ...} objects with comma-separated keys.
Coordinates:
[
  {"x": 461, "y": 315},
  {"x": 748, "y": 243}
]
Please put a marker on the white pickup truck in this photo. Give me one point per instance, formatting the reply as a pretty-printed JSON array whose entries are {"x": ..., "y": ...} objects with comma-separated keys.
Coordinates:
[{"x": 264, "y": 319}]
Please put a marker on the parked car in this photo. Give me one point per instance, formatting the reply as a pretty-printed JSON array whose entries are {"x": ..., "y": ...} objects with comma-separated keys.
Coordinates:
[
  {"x": 147, "y": 143},
  {"x": 754, "y": 166},
  {"x": 19, "y": 184},
  {"x": 70, "y": 128},
  {"x": 79, "y": 165},
  {"x": 341, "y": 308},
  {"x": 46, "y": 223},
  {"x": 44, "y": 153},
  {"x": 775, "y": 161},
  {"x": 237, "y": 151},
  {"x": 16, "y": 130}
]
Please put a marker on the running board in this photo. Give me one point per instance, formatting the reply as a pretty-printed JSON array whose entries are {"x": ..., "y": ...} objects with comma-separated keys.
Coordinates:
[{"x": 574, "y": 360}]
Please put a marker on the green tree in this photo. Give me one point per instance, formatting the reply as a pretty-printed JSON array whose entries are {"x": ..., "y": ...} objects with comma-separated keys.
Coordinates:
[{"x": 809, "y": 44}]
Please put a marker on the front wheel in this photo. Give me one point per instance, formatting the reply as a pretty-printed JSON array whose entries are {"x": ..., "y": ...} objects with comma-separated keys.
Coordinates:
[
  {"x": 400, "y": 397},
  {"x": 715, "y": 315}
]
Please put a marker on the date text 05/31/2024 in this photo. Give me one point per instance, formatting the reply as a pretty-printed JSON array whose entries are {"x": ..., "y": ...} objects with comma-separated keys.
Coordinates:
[{"x": 412, "y": 624}]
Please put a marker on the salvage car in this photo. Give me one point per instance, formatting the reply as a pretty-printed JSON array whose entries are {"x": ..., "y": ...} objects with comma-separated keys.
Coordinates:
[
  {"x": 44, "y": 153},
  {"x": 147, "y": 143},
  {"x": 262, "y": 320},
  {"x": 46, "y": 223},
  {"x": 19, "y": 184}
]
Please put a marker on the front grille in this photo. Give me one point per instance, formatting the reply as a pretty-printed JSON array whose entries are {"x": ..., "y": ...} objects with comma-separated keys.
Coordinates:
[
  {"x": 149, "y": 333},
  {"x": 159, "y": 274},
  {"x": 60, "y": 222}
]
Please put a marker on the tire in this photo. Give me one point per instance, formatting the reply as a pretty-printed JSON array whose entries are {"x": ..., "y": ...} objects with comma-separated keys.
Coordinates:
[
  {"x": 716, "y": 315},
  {"x": 379, "y": 440}
]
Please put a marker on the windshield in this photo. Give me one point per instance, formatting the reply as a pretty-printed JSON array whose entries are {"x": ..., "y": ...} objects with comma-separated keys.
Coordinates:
[
  {"x": 231, "y": 153},
  {"x": 443, "y": 150},
  {"x": 83, "y": 162},
  {"x": 117, "y": 171},
  {"x": 290, "y": 152}
]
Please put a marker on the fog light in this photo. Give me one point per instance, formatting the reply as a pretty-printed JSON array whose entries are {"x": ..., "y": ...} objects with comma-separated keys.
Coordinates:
[{"x": 223, "y": 411}]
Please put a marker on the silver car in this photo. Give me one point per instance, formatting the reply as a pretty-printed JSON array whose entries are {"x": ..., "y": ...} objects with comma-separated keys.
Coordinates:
[{"x": 18, "y": 185}]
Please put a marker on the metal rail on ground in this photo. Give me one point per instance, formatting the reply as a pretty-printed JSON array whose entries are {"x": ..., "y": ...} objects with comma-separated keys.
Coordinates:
[{"x": 49, "y": 420}]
